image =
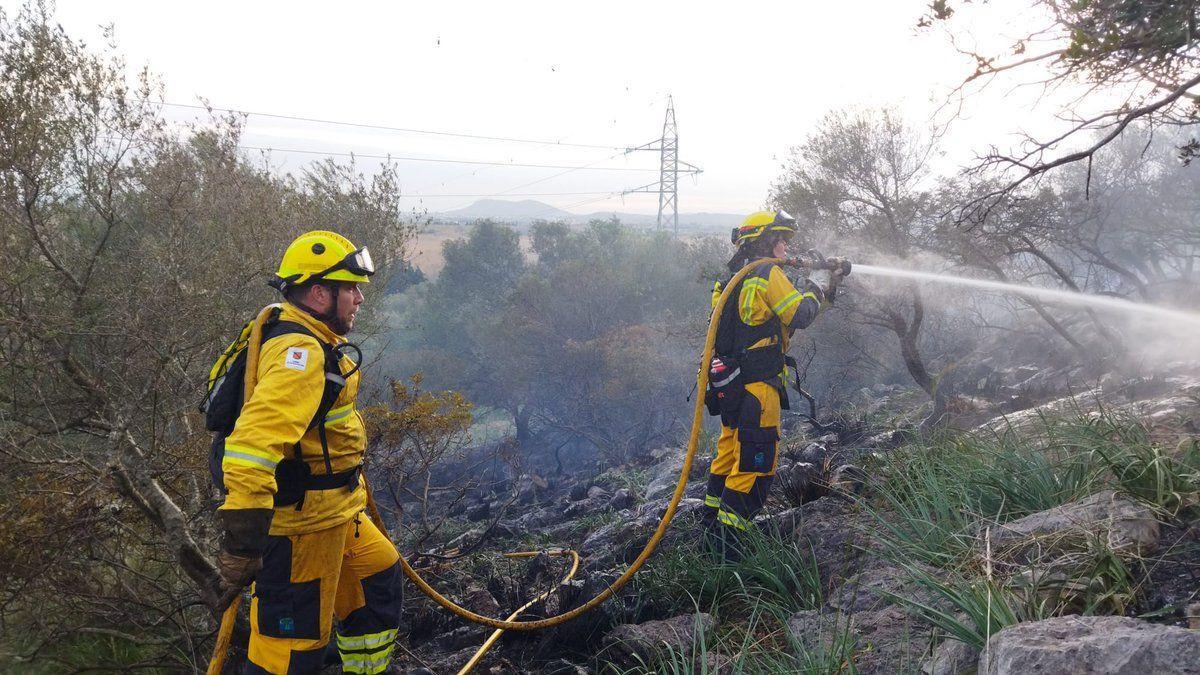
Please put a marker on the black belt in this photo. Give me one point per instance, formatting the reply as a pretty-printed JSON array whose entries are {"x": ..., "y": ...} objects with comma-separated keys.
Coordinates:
[{"x": 333, "y": 481}]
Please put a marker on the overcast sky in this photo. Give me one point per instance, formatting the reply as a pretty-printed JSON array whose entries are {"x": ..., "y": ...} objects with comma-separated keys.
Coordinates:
[{"x": 749, "y": 80}]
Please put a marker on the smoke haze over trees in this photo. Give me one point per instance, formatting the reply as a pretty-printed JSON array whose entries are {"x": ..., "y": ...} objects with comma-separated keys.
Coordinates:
[{"x": 132, "y": 250}]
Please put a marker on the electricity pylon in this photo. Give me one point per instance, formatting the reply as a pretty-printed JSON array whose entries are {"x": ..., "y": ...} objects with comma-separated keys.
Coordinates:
[{"x": 669, "y": 169}]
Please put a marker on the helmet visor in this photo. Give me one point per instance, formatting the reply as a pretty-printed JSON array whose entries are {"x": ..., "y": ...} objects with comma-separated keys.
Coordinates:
[{"x": 360, "y": 262}]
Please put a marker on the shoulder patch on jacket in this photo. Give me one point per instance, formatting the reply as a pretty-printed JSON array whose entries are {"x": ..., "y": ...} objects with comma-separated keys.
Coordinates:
[{"x": 296, "y": 358}]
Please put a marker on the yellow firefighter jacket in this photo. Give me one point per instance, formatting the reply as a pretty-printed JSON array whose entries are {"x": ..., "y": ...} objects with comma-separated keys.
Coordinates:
[
  {"x": 766, "y": 293},
  {"x": 291, "y": 378}
]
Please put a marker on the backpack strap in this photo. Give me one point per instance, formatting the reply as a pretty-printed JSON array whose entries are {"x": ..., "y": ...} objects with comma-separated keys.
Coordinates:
[{"x": 335, "y": 381}]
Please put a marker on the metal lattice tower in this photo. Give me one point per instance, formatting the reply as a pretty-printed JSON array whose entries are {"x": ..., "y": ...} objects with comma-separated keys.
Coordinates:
[{"x": 668, "y": 174}]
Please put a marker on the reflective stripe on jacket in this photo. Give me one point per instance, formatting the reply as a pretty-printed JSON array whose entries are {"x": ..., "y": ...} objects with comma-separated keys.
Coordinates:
[{"x": 767, "y": 292}]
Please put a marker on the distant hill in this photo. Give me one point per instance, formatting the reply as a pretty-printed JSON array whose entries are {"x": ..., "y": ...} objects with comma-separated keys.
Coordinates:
[{"x": 526, "y": 211}]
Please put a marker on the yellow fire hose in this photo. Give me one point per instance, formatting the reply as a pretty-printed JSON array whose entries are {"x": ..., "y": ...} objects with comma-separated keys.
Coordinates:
[
  {"x": 659, "y": 532},
  {"x": 500, "y": 631}
]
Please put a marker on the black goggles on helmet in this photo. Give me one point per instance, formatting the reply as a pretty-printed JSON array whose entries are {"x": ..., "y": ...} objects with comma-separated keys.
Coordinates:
[{"x": 358, "y": 262}]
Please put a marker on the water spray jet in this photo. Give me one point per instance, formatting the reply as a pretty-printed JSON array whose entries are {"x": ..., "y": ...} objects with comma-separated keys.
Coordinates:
[{"x": 1180, "y": 317}]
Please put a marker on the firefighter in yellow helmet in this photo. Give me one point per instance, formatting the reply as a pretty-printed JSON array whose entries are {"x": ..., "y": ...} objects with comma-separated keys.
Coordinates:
[
  {"x": 293, "y": 515},
  {"x": 748, "y": 373}
]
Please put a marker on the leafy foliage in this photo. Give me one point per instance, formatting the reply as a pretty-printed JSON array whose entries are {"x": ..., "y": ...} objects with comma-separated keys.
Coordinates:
[{"x": 578, "y": 342}]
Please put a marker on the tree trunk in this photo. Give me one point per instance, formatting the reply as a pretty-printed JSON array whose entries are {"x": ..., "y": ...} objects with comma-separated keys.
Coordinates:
[
  {"x": 908, "y": 332},
  {"x": 521, "y": 417}
]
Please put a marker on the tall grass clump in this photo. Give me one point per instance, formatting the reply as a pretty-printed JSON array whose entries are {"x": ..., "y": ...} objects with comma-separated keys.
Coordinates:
[
  {"x": 780, "y": 574},
  {"x": 936, "y": 496},
  {"x": 761, "y": 645}
]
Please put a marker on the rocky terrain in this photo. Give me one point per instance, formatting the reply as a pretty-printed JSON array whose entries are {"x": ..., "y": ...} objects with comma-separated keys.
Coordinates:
[{"x": 1056, "y": 529}]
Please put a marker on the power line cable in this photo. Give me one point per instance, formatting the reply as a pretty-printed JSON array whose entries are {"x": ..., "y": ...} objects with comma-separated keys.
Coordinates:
[
  {"x": 382, "y": 127},
  {"x": 509, "y": 191},
  {"x": 517, "y": 194},
  {"x": 438, "y": 160}
]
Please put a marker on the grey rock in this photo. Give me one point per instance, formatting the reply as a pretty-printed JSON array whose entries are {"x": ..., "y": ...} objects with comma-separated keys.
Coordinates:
[
  {"x": 583, "y": 508},
  {"x": 952, "y": 658},
  {"x": 881, "y": 641},
  {"x": 460, "y": 638},
  {"x": 562, "y": 667},
  {"x": 872, "y": 588},
  {"x": 491, "y": 663},
  {"x": 646, "y": 642},
  {"x": 832, "y": 529},
  {"x": 1094, "y": 645},
  {"x": 579, "y": 492},
  {"x": 848, "y": 480},
  {"x": 465, "y": 539},
  {"x": 621, "y": 541},
  {"x": 479, "y": 600},
  {"x": 597, "y": 492},
  {"x": 479, "y": 511},
  {"x": 814, "y": 453},
  {"x": 621, "y": 500},
  {"x": 666, "y": 476},
  {"x": 799, "y": 483},
  {"x": 536, "y": 520},
  {"x": 814, "y": 631},
  {"x": 890, "y": 641},
  {"x": 1127, "y": 527}
]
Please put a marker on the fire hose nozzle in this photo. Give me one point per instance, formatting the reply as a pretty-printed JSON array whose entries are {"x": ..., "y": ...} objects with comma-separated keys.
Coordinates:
[
  {"x": 839, "y": 266},
  {"x": 813, "y": 261}
]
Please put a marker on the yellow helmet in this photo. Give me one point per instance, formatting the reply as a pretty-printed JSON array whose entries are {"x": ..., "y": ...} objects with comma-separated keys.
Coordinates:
[
  {"x": 761, "y": 222},
  {"x": 322, "y": 255}
]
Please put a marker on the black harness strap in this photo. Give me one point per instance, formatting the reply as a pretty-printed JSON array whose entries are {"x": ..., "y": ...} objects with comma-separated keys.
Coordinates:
[{"x": 299, "y": 475}]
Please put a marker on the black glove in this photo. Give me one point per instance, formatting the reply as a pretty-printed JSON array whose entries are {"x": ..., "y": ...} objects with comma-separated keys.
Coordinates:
[
  {"x": 813, "y": 287},
  {"x": 244, "y": 537}
]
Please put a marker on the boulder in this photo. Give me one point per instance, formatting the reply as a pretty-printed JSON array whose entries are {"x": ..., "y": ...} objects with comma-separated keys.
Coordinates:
[
  {"x": 814, "y": 631},
  {"x": 1094, "y": 645},
  {"x": 539, "y": 519},
  {"x": 799, "y": 483},
  {"x": 623, "y": 540},
  {"x": 847, "y": 480},
  {"x": 832, "y": 529},
  {"x": 889, "y": 640},
  {"x": 645, "y": 643},
  {"x": 952, "y": 658},
  {"x": 1126, "y": 525},
  {"x": 870, "y": 589},
  {"x": 665, "y": 475},
  {"x": 621, "y": 500},
  {"x": 878, "y": 642},
  {"x": 478, "y": 511},
  {"x": 664, "y": 478},
  {"x": 584, "y": 507},
  {"x": 814, "y": 453},
  {"x": 562, "y": 667},
  {"x": 579, "y": 492}
]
